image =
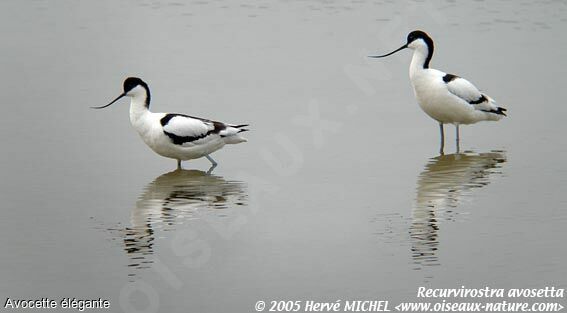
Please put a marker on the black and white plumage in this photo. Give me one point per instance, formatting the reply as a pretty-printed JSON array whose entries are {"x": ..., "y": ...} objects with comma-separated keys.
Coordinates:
[
  {"x": 447, "y": 98},
  {"x": 465, "y": 90},
  {"x": 188, "y": 130},
  {"x": 177, "y": 136}
]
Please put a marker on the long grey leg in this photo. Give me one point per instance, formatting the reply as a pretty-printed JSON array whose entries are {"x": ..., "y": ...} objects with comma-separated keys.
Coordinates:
[
  {"x": 213, "y": 162},
  {"x": 458, "y": 139},
  {"x": 442, "y": 139},
  {"x": 179, "y": 164}
]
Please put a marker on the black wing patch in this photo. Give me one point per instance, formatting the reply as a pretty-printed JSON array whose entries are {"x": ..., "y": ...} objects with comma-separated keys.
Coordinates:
[
  {"x": 449, "y": 77},
  {"x": 164, "y": 120},
  {"x": 179, "y": 140}
]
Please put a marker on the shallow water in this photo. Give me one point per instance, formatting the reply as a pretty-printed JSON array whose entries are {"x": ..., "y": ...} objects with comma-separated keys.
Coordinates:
[{"x": 339, "y": 193}]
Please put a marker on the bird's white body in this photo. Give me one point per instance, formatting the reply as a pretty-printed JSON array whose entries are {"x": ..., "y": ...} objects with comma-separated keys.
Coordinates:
[
  {"x": 177, "y": 136},
  {"x": 150, "y": 127},
  {"x": 448, "y": 102}
]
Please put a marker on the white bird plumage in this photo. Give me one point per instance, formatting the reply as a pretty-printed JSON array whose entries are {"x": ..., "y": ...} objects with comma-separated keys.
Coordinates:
[
  {"x": 177, "y": 136},
  {"x": 447, "y": 98}
]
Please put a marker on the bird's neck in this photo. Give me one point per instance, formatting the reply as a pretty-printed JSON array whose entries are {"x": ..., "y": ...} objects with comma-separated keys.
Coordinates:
[
  {"x": 139, "y": 106},
  {"x": 420, "y": 60}
]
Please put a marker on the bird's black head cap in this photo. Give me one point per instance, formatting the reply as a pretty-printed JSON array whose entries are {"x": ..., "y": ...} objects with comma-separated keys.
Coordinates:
[
  {"x": 418, "y": 34},
  {"x": 132, "y": 82}
]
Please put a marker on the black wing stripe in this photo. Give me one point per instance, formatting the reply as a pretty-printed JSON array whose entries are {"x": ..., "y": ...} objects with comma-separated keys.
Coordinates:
[
  {"x": 164, "y": 120},
  {"x": 499, "y": 111},
  {"x": 479, "y": 100},
  {"x": 179, "y": 140}
]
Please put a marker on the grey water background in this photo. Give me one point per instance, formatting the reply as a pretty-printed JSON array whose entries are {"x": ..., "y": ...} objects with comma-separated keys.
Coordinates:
[{"x": 339, "y": 193}]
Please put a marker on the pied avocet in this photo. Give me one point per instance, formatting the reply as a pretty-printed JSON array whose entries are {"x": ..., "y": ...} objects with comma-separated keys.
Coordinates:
[
  {"x": 177, "y": 136},
  {"x": 447, "y": 98}
]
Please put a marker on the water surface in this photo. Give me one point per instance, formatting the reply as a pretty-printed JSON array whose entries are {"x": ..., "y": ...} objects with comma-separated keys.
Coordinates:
[{"x": 339, "y": 193}]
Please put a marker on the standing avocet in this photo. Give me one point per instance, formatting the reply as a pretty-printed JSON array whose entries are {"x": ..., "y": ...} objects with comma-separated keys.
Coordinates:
[
  {"x": 447, "y": 98},
  {"x": 177, "y": 136}
]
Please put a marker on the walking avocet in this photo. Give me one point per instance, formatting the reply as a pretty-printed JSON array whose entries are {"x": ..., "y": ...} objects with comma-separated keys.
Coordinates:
[
  {"x": 447, "y": 98},
  {"x": 177, "y": 136}
]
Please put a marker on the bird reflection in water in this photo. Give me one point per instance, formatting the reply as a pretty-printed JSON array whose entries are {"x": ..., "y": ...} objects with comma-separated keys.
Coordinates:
[
  {"x": 171, "y": 199},
  {"x": 444, "y": 183}
]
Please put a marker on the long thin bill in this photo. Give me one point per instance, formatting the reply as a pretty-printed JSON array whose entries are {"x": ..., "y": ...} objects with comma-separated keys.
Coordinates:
[
  {"x": 385, "y": 55},
  {"x": 104, "y": 106}
]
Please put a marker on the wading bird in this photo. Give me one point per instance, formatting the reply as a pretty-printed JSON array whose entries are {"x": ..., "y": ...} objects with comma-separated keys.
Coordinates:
[
  {"x": 447, "y": 98},
  {"x": 177, "y": 136}
]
